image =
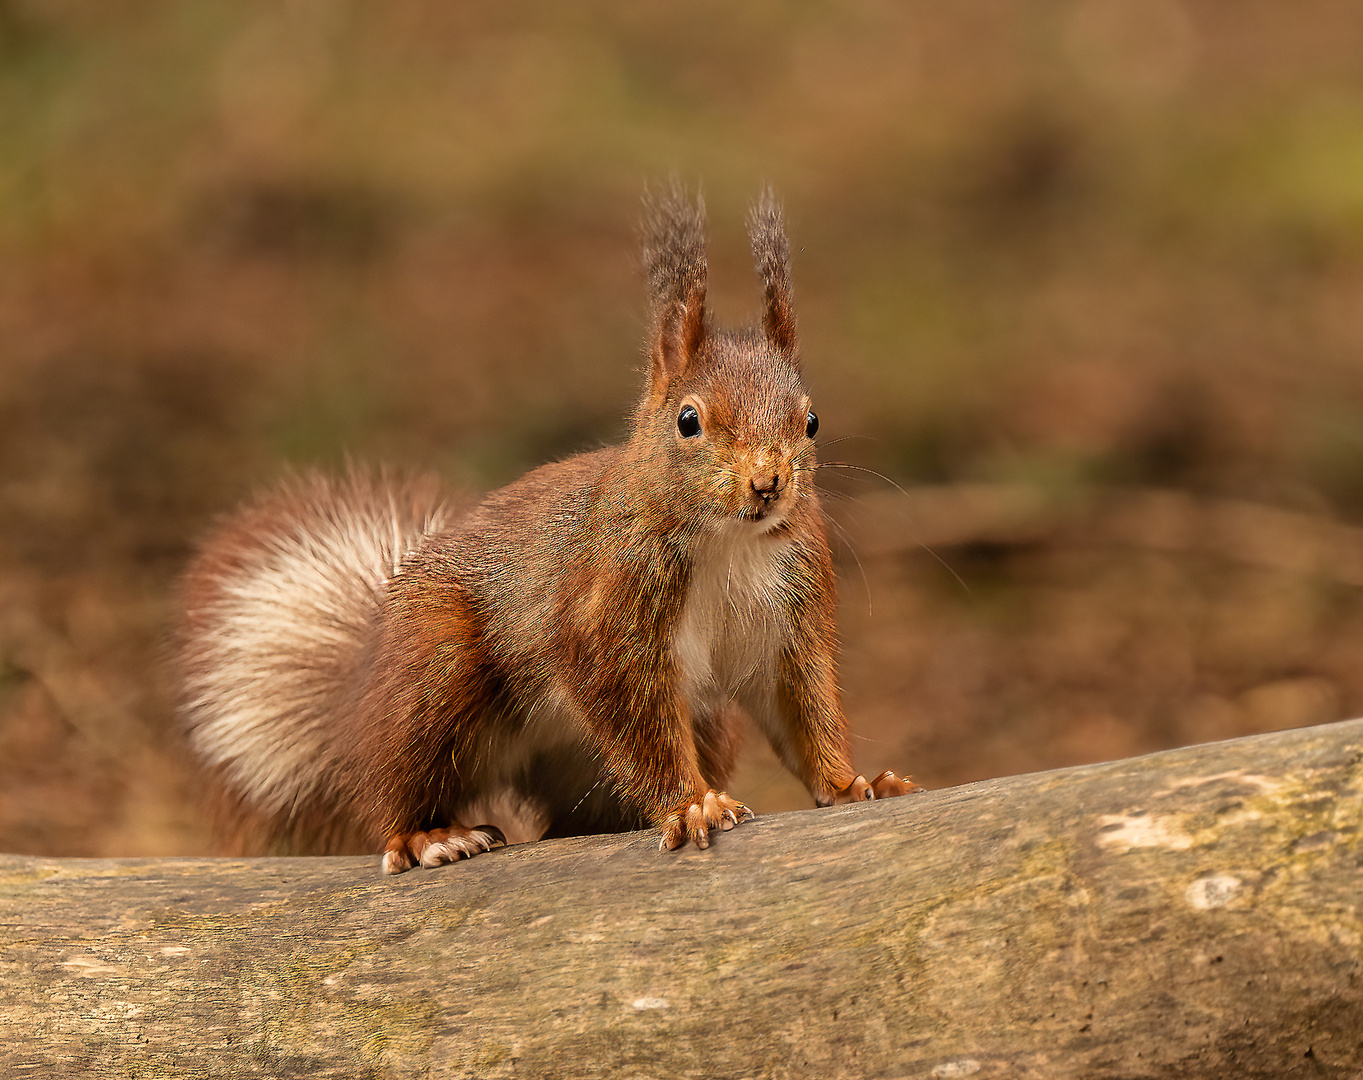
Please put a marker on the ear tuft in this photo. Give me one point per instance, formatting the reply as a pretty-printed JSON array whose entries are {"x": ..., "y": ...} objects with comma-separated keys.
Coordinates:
[
  {"x": 674, "y": 258},
  {"x": 771, "y": 251}
]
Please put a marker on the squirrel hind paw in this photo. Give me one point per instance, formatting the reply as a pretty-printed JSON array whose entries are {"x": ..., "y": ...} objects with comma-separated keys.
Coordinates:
[
  {"x": 439, "y": 846},
  {"x": 695, "y": 819},
  {"x": 885, "y": 786}
]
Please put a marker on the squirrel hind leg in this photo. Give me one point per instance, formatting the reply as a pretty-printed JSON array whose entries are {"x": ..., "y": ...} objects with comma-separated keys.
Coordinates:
[{"x": 438, "y": 846}]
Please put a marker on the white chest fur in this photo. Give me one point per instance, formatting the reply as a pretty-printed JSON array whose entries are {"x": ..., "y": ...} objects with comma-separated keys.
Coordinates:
[{"x": 733, "y": 625}]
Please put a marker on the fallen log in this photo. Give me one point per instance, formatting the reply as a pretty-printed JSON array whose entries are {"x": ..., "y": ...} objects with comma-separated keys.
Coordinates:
[{"x": 1189, "y": 913}]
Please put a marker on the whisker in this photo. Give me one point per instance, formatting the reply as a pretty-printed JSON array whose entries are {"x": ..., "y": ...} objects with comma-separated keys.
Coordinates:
[
  {"x": 851, "y": 549},
  {"x": 845, "y": 438},
  {"x": 861, "y": 469},
  {"x": 869, "y": 739},
  {"x": 881, "y": 476},
  {"x": 945, "y": 566},
  {"x": 587, "y": 793}
]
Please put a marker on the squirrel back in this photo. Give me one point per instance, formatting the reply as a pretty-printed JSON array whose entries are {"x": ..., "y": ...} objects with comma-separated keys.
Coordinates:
[{"x": 368, "y": 662}]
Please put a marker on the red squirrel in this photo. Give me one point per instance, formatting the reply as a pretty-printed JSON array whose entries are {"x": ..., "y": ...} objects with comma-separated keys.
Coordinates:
[{"x": 368, "y": 664}]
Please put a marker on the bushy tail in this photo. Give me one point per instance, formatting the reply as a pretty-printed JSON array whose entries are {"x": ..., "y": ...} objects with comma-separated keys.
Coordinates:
[{"x": 280, "y": 605}]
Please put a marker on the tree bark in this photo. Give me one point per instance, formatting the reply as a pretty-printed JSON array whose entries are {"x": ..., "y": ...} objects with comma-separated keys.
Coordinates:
[{"x": 1189, "y": 913}]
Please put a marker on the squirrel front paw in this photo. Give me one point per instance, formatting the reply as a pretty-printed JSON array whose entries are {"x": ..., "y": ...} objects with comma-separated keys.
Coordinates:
[
  {"x": 885, "y": 786},
  {"x": 438, "y": 846},
  {"x": 696, "y": 818}
]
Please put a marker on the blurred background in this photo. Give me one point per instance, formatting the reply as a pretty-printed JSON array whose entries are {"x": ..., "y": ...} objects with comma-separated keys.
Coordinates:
[{"x": 1081, "y": 279}]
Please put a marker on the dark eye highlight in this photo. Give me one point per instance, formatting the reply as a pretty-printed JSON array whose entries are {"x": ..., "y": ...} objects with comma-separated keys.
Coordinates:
[
  {"x": 688, "y": 422},
  {"x": 811, "y": 424}
]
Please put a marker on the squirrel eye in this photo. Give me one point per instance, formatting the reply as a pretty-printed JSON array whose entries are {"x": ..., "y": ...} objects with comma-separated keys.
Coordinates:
[
  {"x": 811, "y": 424},
  {"x": 688, "y": 423}
]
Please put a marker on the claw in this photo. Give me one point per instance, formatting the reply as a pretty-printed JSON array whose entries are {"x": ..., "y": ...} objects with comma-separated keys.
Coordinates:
[
  {"x": 697, "y": 822},
  {"x": 693, "y": 821},
  {"x": 857, "y": 791},
  {"x": 439, "y": 846}
]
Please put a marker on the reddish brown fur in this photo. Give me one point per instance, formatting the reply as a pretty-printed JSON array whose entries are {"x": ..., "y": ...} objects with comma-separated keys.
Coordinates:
[{"x": 578, "y": 626}]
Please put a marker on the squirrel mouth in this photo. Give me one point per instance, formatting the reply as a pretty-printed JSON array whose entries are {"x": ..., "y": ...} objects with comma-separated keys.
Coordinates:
[{"x": 764, "y": 512}]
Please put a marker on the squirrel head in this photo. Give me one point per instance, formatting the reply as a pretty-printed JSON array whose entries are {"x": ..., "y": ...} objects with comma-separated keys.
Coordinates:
[{"x": 724, "y": 417}]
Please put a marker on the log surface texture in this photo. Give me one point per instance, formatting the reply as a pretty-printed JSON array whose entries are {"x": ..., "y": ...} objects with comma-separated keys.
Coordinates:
[{"x": 1189, "y": 913}]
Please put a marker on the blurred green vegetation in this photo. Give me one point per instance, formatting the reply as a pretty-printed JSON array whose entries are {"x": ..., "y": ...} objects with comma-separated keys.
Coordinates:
[{"x": 1075, "y": 247}]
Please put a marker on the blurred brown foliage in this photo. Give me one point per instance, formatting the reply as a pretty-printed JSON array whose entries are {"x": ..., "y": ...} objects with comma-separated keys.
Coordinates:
[{"x": 1082, "y": 257}]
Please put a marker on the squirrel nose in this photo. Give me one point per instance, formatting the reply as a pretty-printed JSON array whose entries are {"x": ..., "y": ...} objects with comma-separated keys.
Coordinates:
[{"x": 768, "y": 486}]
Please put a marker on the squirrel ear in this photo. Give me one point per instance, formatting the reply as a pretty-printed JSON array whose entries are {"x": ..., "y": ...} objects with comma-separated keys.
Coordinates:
[
  {"x": 771, "y": 250},
  {"x": 674, "y": 258}
]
